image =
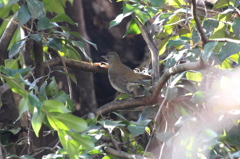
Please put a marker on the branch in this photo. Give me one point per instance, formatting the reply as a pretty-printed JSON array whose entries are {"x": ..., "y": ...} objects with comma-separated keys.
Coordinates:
[
  {"x": 122, "y": 154},
  {"x": 6, "y": 38},
  {"x": 152, "y": 47},
  {"x": 84, "y": 66},
  {"x": 156, "y": 90},
  {"x": 225, "y": 40},
  {"x": 198, "y": 23}
]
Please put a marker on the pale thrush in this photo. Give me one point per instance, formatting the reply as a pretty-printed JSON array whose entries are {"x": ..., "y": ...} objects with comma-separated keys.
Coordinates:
[{"x": 121, "y": 76}]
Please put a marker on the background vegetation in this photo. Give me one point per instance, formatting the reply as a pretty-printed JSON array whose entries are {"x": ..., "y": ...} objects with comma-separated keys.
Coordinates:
[{"x": 52, "y": 106}]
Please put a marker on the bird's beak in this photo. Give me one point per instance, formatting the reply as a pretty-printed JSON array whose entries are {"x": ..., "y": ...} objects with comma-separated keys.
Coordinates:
[{"x": 103, "y": 56}]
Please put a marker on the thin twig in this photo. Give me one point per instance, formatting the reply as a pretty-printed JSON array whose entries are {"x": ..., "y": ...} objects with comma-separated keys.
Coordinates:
[
  {"x": 152, "y": 47},
  {"x": 68, "y": 78},
  {"x": 198, "y": 23}
]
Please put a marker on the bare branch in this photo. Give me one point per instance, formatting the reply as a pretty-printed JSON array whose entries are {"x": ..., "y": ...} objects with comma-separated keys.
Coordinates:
[
  {"x": 198, "y": 23},
  {"x": 84, "y": 66},
  {"x": 152, "y": 47},
  {"x": 122, "y": 154}
]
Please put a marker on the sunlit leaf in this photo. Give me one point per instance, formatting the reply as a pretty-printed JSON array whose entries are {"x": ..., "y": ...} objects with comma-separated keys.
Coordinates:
[
  {"x": 23, "y": 107},
  {"x": 118, "y": 19},
  {"x": 55, "y": 106},
  {"x": 70, "y": 145},
  {"x": 229, "y": 49},
  {"x": 16, "y": 87},
  {"x": 194, "y": 76},
  {"x": 37, "y": 119},
  {"x": 66, "y": 122},
  {"x": 132, "y": 28}
]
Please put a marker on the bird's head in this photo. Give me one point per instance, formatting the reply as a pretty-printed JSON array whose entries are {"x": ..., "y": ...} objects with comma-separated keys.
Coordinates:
[{"x": 111, "y": 57}]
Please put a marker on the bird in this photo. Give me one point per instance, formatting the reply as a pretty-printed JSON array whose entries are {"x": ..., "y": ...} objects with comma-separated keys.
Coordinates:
[{"x": 121, "y": 77}]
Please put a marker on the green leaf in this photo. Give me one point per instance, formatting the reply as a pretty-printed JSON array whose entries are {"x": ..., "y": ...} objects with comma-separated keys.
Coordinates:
[
  {"x": 229, "y": 49},
  {"x": 36, "y": 8},
  {"x": 194, "y": 76},
  {"x": 13, "y": 72},
  {"x": 66, "y": 122},
  {"x": 71, "y": 52},
  {"x": 81, "y": 46},
  {"x": 26, "y": 157},
  {"x": 16, "y": 48},
  {"x": 209, "y": 26},
  {"x": 9, "y": 2},
  {"x": 118, "y": 19},
  {"x": 34, "y": 101},
  {"x": 220, "y": 4},
  {"x": 236, "y": 27},
  {"x": 183, "y": 119},
  {"x": 179, "y": 41},
  {"x": 23, "y": 15},
  {"x": 136, "y": 130},
  {"x": 55, "y": 44},
  {"x": 89, "y": 42},
  {"x": 55, "y": 106},
  {"x": 44, "y": 23},
  {"x": 85, "y": 142},
  {"x": 37, "y": 119},
  {"x": 72, "y": 77},
  {"x": 70, "y": 145},
  {"x": 132, "y": 29},
  {"x": 158, "y": 3},
  {"x": 23, "y": 106},
  {"x": 63, "y": 18},
  {"x": 198, "y": 97},
  {"x": 61, "y": 96},
  {"x": 110, "y": 125},
  {"x": 56, "y": 6},
  {"x": 37, "y": 37},
  {"x": 42, "y": 91},
  {"x": 207, "y": 50},
  {"x": 52, "y": 88},
  {"x": 16, "y": 87}
]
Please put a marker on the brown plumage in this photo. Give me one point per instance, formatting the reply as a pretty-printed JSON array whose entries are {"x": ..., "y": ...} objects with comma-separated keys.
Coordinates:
[{"x": 121, "y": 76}]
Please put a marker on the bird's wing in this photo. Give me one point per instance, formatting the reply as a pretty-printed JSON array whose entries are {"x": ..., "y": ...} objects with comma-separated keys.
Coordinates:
[{"x": 122, "y": 82}]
